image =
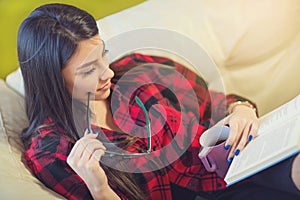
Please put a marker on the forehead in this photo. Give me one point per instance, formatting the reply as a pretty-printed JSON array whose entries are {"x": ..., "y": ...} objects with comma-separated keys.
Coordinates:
[
  {"x": 85, "y": 51},
  {"x": 94, "y": 53},
  {"x": 89, "y": 48}
]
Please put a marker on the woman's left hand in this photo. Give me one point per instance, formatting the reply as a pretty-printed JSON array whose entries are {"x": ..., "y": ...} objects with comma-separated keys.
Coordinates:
[{"x": 243, "y": 124}]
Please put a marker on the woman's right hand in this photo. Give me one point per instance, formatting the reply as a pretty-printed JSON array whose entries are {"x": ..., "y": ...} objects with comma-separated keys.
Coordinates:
[{"x": 84, "y": 159}]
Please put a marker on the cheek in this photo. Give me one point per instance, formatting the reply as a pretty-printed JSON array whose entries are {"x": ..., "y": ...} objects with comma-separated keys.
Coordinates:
[
  {"x": 83, "y": 85},
  {"x": 69, "y": 81}
]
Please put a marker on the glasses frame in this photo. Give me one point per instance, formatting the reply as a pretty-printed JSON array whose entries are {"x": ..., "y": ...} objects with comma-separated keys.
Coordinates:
[{"x": 128, "y": 155}]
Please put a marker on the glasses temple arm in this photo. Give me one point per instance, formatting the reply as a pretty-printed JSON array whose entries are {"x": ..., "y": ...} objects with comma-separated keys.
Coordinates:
[
  {"x": 139, "y": 102},
  {"x": 88, "y": 114}
]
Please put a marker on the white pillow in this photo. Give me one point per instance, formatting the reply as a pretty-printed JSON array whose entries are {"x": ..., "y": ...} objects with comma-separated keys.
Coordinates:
[
  {"x": 15, "y": 81},
  {"x": 16, "y": 181}
]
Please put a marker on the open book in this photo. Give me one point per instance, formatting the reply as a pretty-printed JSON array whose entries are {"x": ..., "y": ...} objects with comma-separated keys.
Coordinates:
[{"x": 278, "y": 138}]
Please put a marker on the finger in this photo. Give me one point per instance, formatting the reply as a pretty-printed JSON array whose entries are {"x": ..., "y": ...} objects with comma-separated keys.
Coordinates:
[
  {"x": 90, "y": 135},
  {"x": 75, "y": 153},
  {"x": 230, "y": 143},
  {"x": 243, "y": 140},
  {"x": 86, "y": 132},
  {"x": 94, "y": 144},
  {"x": 231, "y": 154},
  {"x": 253, "y": 131},
  {"x": 77, "y": 148},
  {"x": 90, "y": 148},
  {"x": 232, "y": 134},
  {"x": 232, "y": 151},
  {"x": 98, "y": 153},
  {"x": 80, "y": 145},
  {"x": 222, "y": 122}
]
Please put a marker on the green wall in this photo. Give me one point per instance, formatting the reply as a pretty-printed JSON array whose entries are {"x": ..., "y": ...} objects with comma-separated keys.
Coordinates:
[{"x": 12, "y": 13}]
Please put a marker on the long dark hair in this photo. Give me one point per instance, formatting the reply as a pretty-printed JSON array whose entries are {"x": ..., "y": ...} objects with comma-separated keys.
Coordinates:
[{"x": 47, "y": 39}]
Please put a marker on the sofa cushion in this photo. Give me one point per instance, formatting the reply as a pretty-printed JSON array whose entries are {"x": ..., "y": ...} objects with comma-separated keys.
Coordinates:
[{"x": 16, "y": 182}]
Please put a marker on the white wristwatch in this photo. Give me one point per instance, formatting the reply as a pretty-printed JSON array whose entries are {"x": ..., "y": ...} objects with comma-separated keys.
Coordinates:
[{"x": 242, "y": 103}]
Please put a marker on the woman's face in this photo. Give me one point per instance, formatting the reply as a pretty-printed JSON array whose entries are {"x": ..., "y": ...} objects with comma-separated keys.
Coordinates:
[{"x": 88, "y": 70}]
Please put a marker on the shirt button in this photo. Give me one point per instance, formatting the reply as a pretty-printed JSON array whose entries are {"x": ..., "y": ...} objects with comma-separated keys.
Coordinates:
[
  {"x": 219, "y": 185},
  {"x": 191, "y": 183}
]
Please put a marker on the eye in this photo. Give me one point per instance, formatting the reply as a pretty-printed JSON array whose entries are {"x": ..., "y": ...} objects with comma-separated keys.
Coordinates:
[
  {"x": 89, "y": 72},
  {"x": 105, "y": 52}
]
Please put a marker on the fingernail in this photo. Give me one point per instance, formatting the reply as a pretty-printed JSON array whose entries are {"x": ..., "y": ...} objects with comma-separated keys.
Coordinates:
[
  {"x": 250, "y": 138},
  {"x": 237, "y": 152},
  {"x": 230, "y": 160},
  {"x": 227, "y": 147}
]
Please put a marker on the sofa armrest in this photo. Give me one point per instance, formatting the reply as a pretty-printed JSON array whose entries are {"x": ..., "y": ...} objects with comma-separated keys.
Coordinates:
[{"x": 16, "y": 181}]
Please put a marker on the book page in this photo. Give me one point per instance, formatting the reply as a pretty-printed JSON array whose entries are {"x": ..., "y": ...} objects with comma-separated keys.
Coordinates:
[
  {"x": 278, "y": 138},
  {"x": 280, "y": 114}
]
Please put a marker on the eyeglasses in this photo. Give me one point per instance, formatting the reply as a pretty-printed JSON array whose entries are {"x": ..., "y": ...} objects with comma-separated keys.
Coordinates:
[{"x": 110, "y": 145}]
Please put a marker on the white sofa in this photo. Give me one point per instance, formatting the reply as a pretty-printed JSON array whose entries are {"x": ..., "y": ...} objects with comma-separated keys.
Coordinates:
[
  {"x": 16, "y": 182},
  {"x": 255, "y": 45}
]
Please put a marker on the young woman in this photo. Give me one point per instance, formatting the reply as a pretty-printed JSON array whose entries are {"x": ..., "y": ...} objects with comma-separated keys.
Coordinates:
[{"x": 64, "y": 66}]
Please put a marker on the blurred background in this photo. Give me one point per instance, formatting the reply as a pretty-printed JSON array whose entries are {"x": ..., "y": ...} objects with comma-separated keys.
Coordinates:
[{"x": 13, "y": 12}]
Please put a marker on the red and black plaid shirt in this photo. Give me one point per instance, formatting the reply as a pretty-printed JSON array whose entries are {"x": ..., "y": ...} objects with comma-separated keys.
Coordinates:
[{"x": 180, "y": 108}]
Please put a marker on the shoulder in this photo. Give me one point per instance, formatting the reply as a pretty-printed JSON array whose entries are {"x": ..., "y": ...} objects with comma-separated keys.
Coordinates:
[
  {"x": 49, "y": 148},
  {"x": 49, "y": 138}
]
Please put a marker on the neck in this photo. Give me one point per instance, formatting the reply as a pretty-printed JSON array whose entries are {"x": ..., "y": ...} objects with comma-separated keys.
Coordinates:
[{"x": 103, "y": 115}]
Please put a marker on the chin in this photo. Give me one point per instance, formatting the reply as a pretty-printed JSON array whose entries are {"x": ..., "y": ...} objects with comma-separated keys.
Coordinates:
[{"x": 102, "y": 95}]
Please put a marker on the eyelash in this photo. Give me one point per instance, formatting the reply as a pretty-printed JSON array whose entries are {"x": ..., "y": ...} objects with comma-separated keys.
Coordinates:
[
  {"x": 89, "y": 72},
  {"x": 92, "y": 70},
  {"x": 105, "y": 52}
]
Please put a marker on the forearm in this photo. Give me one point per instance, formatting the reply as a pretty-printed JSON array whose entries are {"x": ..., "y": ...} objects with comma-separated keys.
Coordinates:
[
  {"x": 222, "y": 105},
  {"x": 102, "y": 192}
]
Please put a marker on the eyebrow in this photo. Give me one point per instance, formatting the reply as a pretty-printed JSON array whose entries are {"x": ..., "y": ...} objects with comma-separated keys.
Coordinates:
[
  {"x": 93, "y": 61},
  {"x": 86, "y": 64}
]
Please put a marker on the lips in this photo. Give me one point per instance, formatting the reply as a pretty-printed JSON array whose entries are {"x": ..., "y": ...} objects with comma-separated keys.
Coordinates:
[{"x": 105, "y": 87}]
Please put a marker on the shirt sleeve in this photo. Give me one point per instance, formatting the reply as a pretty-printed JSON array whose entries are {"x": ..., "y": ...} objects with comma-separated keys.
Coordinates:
[
  {"x": 219, "y": 103},
  {"x": 212, "y": 105},
  {"x": 46, "y": 157}
]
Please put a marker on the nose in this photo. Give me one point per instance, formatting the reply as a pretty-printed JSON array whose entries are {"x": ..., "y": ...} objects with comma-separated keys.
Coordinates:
[{"x": 107, "y": 74}]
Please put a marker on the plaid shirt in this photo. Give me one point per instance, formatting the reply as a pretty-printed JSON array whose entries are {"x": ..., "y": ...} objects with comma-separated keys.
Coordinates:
[{"x": 186, "y": 109}]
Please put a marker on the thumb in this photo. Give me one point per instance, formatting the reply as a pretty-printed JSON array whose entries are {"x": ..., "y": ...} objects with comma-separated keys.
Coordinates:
[
  {"x": 86, "y": 132},
  {"x": 90, "y": 134}
]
